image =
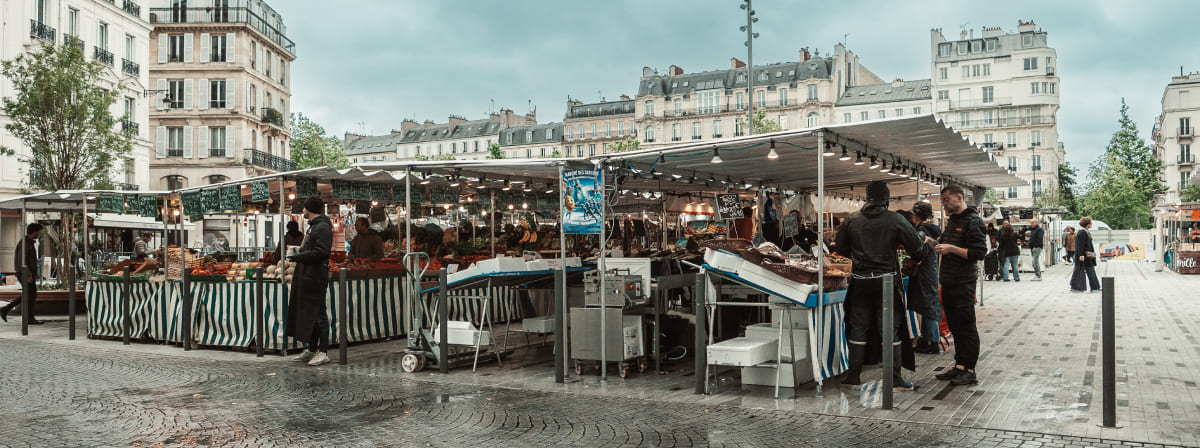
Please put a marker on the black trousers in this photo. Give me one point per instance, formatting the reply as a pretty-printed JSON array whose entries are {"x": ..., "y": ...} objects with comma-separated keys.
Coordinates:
[
  {"x": 319, "y": 342},
  {"x": 958, "y": 301},
  {"x": 864, "y": 308},
  {"x": 32, "y": 288}
]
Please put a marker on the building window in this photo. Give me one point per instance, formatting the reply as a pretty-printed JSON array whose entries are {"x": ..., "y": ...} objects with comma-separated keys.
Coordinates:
[
  {"x": 917, "y": 110},
  {"x": 741, "y": 100},
  {"x": 695, "y": 130},
  {"x": 709, "y": 102},
  {"x": 593, "y": 130},
  {"x": 607, "y": 130},
  {"x": 549, "y": 134},
  {"x": 175, "y": 93},
  {"x": 632, "y": 128},
  {"x": 175, "y": 48},
  {"x": 1012, "y": 140},
  {"x": 72, "y": 19},
  {"x": 175, "y": 141},
  {"x": 130, "y": 172},
  {"x": 1012, "y": 163},
  {"x": 253, "y": 53},
  {"x": 581, "y": 134},
  {"x": 864, "y": 116},
  {"x": 1031, "y": 63},
  {"x": 528, "y": 136},
  {"x": 1051, "y": 90},
  {"x": 988, "y": 140},
  {"x": 964, "y": 119},
  {"x": 650, "y": 108},
  {"x": 216, "y": 94},
  {"x": 812, "y": 92},
  {"x": 176, "y": 182},
  {"x": 102, "y": 36},
  {"x": 1037, "y": 187},
  {"x": 944, "y": 50},
  {"x": 989, "y": 94},
  {"x": 592, "y": 149},
  {"x": 783, "y": 99},
  {"x": 716, "y": 128},
  {"x": 762, "y": 99},
  {"x": 966, "y": 71},
  {"x": 1035, "y": 87},
  {"x": 987, "y": 69},
  {"x": 217, "y": 53},
  {"x": 988, "y": 117},
  {"x": 899, "y": 112},
  {"x": 976, "y": 46},
  {"x": 1185, "y": 153},
  {"x": 528, "y": 153},
  {"x": 813, "y": 120},
  {"x": 453, "y": 148},
  {"x": 1036, "y": 163},
  {"x": 1027, "y": 40},
  {"x": 989, "y": 45},
  {"x": 677, "y": 106},
  {"x": 881, "y": 114},
  {"x": 846, "y": 117},
  {"x": 762, "y": 75},
  {"x": 570, "y": 133},
  {"x": 675, "y": 132},
  {"x": 1035, "y": 138},
  {"x": 943, "y": 94},
  {"x": 1012, "y": 192},
  {"x": 620, "y": 128},
  {"x": 649, "y": 134},
  {"x": 508, "y": 138},
  {"x": 1184, "y": 178},
  {"x": 943, "y": 73},
  {"x": 216, "y": 142}
]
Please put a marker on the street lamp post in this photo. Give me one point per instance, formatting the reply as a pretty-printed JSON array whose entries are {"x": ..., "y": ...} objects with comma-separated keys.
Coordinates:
[{"x": 750, "y": 35}]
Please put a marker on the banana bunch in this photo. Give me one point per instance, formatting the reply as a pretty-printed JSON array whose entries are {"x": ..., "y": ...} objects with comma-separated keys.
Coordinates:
[{"x": 528, "y": 237}]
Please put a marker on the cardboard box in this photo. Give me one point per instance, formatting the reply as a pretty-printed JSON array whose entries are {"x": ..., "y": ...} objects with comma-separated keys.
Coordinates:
[{"x": 742, "y": 352}]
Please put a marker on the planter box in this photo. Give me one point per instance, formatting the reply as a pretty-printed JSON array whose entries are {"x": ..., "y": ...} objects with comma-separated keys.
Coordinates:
[{"x": 48, "y": 302}]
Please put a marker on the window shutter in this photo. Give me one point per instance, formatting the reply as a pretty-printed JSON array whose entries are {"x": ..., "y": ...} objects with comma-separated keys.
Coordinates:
[
  {"x": 203, "y": 142},
  {"x": 231, "y": 139},
  {"x": 160, "y": 95},
  {"x": 205, "y": 47},
  {"x": 262, "y": 63},
  {"x": 231, "y": 47},
  {"x": 162, "y": 48},
  {"x": 189, "y": 87},
  {"x": 187, "y": 142},
  {"x": 187, "y": 47},
  {"x": 230, "y": 93},
  {"x": 248, "y": 97},
  {"x": 205, "y": 88},
  {"x": 160, "y": 150}
]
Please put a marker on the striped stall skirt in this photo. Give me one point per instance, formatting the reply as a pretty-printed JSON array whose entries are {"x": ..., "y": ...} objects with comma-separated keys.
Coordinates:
[{"x": 104, "y": 307}]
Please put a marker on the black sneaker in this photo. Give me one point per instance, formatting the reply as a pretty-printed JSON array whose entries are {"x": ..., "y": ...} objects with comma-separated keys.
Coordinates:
[
  {"x": 928, "y": 349},
  {"x": 965, "y": 378},
  {"x": 951, "y": 374}
]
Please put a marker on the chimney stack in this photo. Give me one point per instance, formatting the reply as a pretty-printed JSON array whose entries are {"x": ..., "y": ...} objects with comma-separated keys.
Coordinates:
[
  {"x": 407, "y": 125},
  {"x": 735, "y": 63},
  {"x": 804, "y": 54},
  {"x": 351, "y": 138},
  {"x": 454, "y": 120},
  {"x": 531, "y": 117},
  {"x": 624, "y": 97},
  {"x": 675, "y": 70},
  {"x": 428, "y": 122}
]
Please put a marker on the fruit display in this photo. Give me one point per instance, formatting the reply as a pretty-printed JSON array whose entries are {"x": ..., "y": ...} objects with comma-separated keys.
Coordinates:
[{"x": 711, "y": 229}]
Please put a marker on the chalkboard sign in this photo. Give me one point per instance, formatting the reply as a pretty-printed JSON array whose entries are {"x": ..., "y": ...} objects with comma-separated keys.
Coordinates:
[
  {"x": 109, "y": 203},
  {"x": 343, "y": 189},
  {"x": 362, "y": 191},
  {"x": 148, "y": 206},
  {"x": 211, "y": 199},
  {"x": 729, "y": 206},
  {"x": 231, "y": 198},
  {"x": 193, "y": 204},
  {"x": 381, "y": 192},
  {"x": 306, "y": 188},
  {"x": 260, "y": 191}
]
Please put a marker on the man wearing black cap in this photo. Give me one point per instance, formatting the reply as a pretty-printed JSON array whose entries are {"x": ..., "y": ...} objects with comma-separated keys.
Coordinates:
[
  {"x": 869, "y": 238},
  {"x": 306, "y": 319},
  {"x": 923, "y": 285},
  {"x": 962, "y": 245}
]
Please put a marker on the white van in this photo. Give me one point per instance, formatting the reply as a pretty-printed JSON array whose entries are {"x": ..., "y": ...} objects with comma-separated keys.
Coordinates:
[{"x": 1056, "y": 229}]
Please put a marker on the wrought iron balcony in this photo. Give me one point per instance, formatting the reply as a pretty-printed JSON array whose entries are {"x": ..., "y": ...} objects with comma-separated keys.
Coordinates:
[
  {"x": 272, "y": 116},
  {"x": 1187, "y": 132},
  {"x": 42, "y": 31},
  {"x": 223, "y": 15},
  {"x": 129, "y": 127},
  {"x": 73, "y": 41},
  {"x": 261, "y": 159},
  {"x": 127, "y": 187},
  {"x": 132, "y": 8},
  {"x": 1186, "y": 159},
  {"x": 130, "y": 67},
  {"x": 103, "y": 56}
]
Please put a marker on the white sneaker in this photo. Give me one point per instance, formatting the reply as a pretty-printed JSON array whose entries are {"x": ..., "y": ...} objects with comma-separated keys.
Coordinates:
[
  {"x": 320, "y": 358},
  {"x": 304, "y": 357}
]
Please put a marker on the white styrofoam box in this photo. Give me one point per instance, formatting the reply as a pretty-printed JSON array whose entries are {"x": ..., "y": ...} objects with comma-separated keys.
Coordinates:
[
  {"x": 767, "y": 331},
  {"x": 501, "y": 264},
  {"x": 799, "y": 317},
  {"x": 556, "y": 263},
  {"x": 765, "y": 375},
  {"x": 543, "y": 324},
  {"x": 636, "y": 266},
  {"x": 463, "y": 333},
  {"x": 742, "y": 352},
  {"x": 725, "y": 261},
  {"x": 536, "y": 265}
]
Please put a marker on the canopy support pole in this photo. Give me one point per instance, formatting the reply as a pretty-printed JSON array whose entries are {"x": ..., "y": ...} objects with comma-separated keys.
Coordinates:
[
  {"x": 603, "y": 273},
  {"x": 282, "y": 256},
  {"x": 820, "y": 252},
  {"x": 560, "y": 353}
]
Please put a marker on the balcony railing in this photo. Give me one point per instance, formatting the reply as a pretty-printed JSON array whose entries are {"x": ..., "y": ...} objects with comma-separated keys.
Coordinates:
[
  {"x": 1002, "y": 122},
  {"x": 272, "y": 116},
  {"x": 675, "y": 139},
  {"x": 716, "y": 135},
  {"x": 42, "y": 31},
  {"x": 981, "y": 102},
  {"x": 127, "y": 187},
  {"x": 73, "y": 41},
  {"x": 696, "y": 137},
  {"x": 223, "y": 15},
  {"x": 132, "y": 8},
  {"x": 129, "y": 127},
  {"x": 130, "y": 67},
  {"x": 1187, "y": 132},
  {"x": 103, "y": 56},
  {"x": 1186, "y": 159},
  {"x": 268, "y": 161},
  {"x": 650, "y": 140}
]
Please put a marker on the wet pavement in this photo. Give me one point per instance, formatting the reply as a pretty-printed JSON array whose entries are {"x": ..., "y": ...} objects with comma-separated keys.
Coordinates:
[{"x": 1039, "y": 387}]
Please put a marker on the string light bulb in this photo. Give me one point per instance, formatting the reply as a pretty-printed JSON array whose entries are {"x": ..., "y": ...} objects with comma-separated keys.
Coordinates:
[
  {"x": 772, "y": 155},
  {"x": 845, "y": 156},
  {"x": 859, "y": 161},
  {"x": 874, "y": 163},
  {"x": 885, "y": 168},
  {"x": 716, "y": 158},
  {"x": 828, "y": 150}
]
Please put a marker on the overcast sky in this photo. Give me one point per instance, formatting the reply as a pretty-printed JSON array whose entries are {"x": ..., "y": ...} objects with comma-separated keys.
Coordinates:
[{"x": 365, "y": 65}]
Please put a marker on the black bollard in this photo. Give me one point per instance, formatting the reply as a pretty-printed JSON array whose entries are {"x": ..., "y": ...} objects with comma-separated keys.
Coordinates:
[
  {"x": 560, "y": 361},
  {"x": 443, "y": 324},
  {"x": 71, "y": 303},
  {"x": 701, "y": 335},
  {"x": 125, "y": 317},
  {"x": 26, "y": 295},
  {"x": 887, "y": 330},
  {"x": 1108, "y": 340},
  {"x": 259, "y": 331},
  {"x": 342, "y": 319},
  {"x": 186, "y": 320}
]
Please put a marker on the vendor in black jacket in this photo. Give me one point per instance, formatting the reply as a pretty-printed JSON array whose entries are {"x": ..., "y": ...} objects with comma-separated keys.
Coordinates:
[
  {"x": 869, "y": 238},
  {"x": 963, "y": 244}
]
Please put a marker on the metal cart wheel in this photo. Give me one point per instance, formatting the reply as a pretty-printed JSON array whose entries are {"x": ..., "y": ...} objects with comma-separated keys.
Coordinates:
[
  {"x": 643, "y": 365},
  {"x": 623, "y": 370},
  {"x": 412, "y": 362},
  {"x": 578, "y": 367}
]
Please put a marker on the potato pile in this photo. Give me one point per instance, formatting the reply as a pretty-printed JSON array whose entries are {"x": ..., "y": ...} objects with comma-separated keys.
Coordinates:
[{"x": 283, "y": 270}]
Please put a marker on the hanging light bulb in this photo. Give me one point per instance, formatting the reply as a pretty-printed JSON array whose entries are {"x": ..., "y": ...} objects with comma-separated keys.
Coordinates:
[
  {"x": 859, "y": 161},
  {"x": 425, "y": 179},
  {"x": 527, "y": 188},
  {"x": 874, "y": 163},
  {"x": 507, "y": 186},
  {"x": 772, "y": 155},
  {"x": 716, "y": 156},
  {"x": 510, "y": 206},
  {"x": 291, "y": 196},
  {"x": 677, "y": 176},
  {"x": 885, "y": 168},
  {"x": 524, "y": 205},
  {"x": 454, "y": 183},
  {"x": 657, "y": 195},
  {"x": 483, "y": 212},
  {"x": 828, "y": 150},
  {"x": 549, "y": 189},
  {"x": 845, "y": 156}
]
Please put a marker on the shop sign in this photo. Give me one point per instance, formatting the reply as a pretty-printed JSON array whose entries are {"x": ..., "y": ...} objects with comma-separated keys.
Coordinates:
[
  {"x": 260, "y": 191},
  {"x": 231, "y": 198},
  {"x": 583, "y": 196},
  {"x": 729, "y": 206}
]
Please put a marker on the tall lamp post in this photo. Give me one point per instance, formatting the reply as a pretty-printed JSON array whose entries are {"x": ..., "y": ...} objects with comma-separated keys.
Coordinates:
[{"x": 750, "y": 36}]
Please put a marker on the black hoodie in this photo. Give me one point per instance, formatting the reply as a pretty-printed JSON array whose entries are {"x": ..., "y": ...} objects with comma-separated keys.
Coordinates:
[
  {"x": 870, "y": 237},
  {"x": 966, "y": 230}
]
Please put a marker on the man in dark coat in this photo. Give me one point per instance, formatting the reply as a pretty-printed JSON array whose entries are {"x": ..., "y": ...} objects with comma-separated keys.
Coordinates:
[
  {"x": 923, "y": 285},
  {"x": 293, "y": 237},
  {"x": 306, "y": 319},
  {"x": 25, "y": 256},
  {"x": 869, "y": 238},
  {"x": 962, "y": 245}
]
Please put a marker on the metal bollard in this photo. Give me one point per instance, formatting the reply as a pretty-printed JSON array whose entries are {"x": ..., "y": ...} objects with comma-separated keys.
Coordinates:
[
  {"x": 26, "y": 302},
  {"x": 71, "y": 303},
  {"x": 1108, "y": 341},
  {"x": 444, "y": 324},
  {"x": 560, "y": 361},
  {"x": 342, "y": 319},
  {"x": 701, "y": 349},
  {"x": 186, "y": 296},
  {"x": 886, "y": 330},
  {"x": 126, "y": 318},
  {"x": 259, "y": 331}
]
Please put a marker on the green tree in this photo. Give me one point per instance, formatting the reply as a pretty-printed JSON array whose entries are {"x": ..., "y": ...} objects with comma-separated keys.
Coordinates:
[
  {"x": 761, "y": 124},
  {"x": 312, "y": 147},
  {"x": 628, "y": 144},
  {"x": 1063, "y": 193},
  {"x": 554, "y": 155},
  {"x": 1132, "y": 151},
  {"x": 1113, "y": 195},
  {"x": 1190, "y": 194},
  {"x": 60, "y": 111},
  {"x": 494, "y": 152}
]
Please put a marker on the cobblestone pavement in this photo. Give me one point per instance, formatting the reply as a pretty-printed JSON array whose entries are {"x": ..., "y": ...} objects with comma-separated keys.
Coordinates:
[{"x": 1039, "y": 376}]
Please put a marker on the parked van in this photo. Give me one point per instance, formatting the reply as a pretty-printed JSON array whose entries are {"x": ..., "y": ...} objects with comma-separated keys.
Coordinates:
[{"x": 1057, "y": 229}]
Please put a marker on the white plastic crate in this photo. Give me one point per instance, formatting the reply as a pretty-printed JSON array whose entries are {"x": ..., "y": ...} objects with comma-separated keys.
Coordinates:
[
  {"x": 543, "y": 324},
  {"x": 770, "y": 331},
  {"x": 765, "y": 375},
  {"x": 742, "y": 352}
]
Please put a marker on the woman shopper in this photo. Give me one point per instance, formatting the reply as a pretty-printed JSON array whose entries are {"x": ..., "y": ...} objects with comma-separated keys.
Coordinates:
[
  {"x": 1010, "y": 253},
  {"x": 1069, "y": 245},
  {"x": 1085, "y": 259}
]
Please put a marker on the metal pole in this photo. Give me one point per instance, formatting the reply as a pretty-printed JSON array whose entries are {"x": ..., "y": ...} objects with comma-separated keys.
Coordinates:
[
  {"x": 186, "y": 295},
  {"x": 750, "y": 67},
  {"x": 603, "y": 273},
  {"x": 26, "y": 274},
  {"x": 701, "y": 350},
  {"x": 71, "y": 280},
  {"x": 888, "y": 332},
  {"x": 1108, "y": 333},
  {"x": 492, "y": 228},
  {"x": 86, "y": 262},
  {"x": 259, "y": 298},
  {"x": 560, "y": 358},
  {"x": 412, "y": 286},
  {"x": 283, "y": 253},
  {"x": 342, "y": 316},
  {"x": 443, "y": 318},
  {"x": 125, "y": 317}
]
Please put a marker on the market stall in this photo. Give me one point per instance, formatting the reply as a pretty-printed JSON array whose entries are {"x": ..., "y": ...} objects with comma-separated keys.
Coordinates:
[{"x": 1179, "y": 225}]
